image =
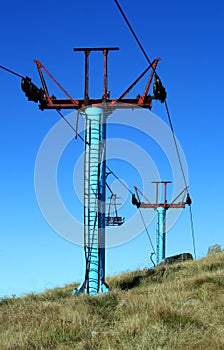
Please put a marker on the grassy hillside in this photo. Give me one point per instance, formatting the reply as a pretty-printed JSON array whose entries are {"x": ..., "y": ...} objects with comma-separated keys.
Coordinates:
[{"x": 174, "y": 307}]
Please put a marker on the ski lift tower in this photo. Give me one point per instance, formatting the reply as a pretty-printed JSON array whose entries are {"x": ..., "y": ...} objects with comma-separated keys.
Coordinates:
[
  {"x": 161, "y": 207},
  {"x": 95, "y": 112}
]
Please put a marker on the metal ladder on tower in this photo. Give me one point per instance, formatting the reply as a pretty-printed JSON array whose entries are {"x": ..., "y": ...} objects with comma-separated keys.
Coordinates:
[{"x": 91, "y": 195}]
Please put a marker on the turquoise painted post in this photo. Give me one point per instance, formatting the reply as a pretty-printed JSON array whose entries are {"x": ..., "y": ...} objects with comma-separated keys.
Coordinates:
[
  {"x": 94, "y": 201},
  {"x": 102, "y": 202},
  {"x": 161, "y": 234}
]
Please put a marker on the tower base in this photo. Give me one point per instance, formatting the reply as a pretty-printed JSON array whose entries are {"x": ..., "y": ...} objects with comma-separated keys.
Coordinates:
[{"x": 81, "y": 289}]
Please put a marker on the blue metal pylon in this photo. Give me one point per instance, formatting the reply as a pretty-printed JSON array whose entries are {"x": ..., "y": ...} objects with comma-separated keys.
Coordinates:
[
  {"x": 95, "y": 113},
  {"x": 161, "y": 234},
  {"x": 94, "y": 201},
  {"x": 161, "y": 208}
]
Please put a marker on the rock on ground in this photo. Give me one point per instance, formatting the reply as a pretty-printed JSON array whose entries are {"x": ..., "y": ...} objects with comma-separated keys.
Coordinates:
[
  {"x": 216, "y": 248},
  {"x": 176, "y": 259}
]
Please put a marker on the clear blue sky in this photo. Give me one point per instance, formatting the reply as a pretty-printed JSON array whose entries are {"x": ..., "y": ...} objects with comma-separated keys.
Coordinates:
[{"x": 189, "y": 38}]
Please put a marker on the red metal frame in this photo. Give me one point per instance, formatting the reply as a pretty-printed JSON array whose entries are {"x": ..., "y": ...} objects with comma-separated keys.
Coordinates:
[
  {"x": 164, "y": 204},
  {"x": 49, "y": 99},
  {"x": 144, "y": 96},
  {"x": 51, "y": 102}
]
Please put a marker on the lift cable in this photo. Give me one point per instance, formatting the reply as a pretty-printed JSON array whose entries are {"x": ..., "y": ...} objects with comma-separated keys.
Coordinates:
[
  {"x": 175, "y": 143},
  {"x": 121, "y": 182},
  {"x": 71, "y": 126},
  {"x": 149, "y": 61},
  {"x": 147, "y": 231},
  {"x": 168, "y": 113},
  {"x": 57, "y": 110},
  {"x": 133, "y": 33},
  {"x": 144, "y": 223},
  {"x": 152, "y": 259},
  {"x": 12, "y": 72}
]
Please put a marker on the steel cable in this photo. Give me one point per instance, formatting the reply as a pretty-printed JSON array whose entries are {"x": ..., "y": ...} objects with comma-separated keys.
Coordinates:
[
  {"x": 168, "y": 114},
  {"x": 12, "y": 72},
  {"x": 146, "y": 229},
  {"x": 149, "y": 61}
]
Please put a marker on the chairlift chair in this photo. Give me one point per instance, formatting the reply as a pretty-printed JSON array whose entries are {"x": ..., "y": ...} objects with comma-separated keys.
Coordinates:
[{"x": 112, "y": 218}]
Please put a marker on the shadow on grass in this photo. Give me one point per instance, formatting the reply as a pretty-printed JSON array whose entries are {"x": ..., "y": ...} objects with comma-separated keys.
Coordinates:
[{"x": 131, "y": 283}]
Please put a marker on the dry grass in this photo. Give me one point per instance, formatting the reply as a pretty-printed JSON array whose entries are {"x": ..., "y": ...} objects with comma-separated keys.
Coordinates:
[{"x": 175, "y": 307}]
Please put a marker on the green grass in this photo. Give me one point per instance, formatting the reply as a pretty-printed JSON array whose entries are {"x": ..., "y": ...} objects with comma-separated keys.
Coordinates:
[{"x": 178, "y": 306}]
